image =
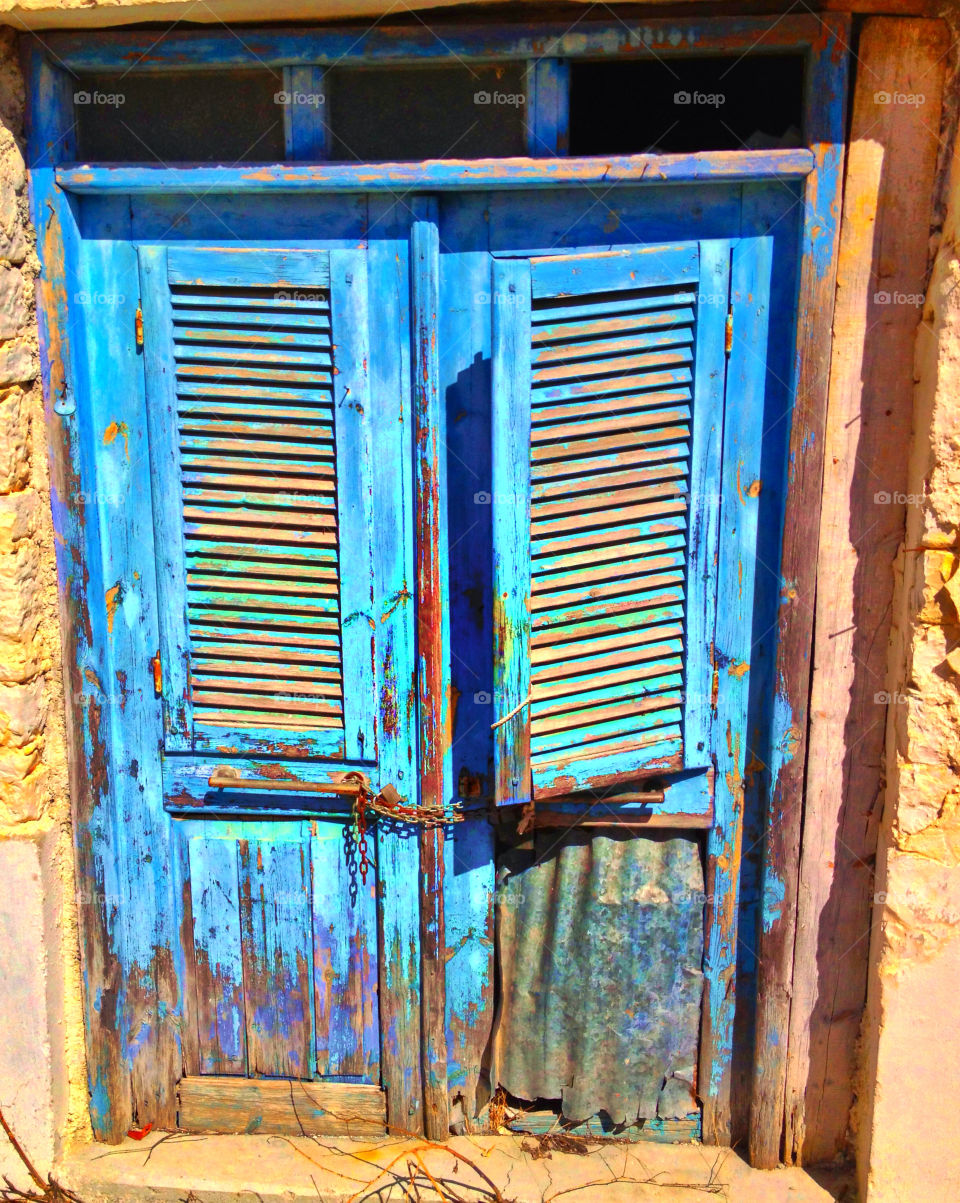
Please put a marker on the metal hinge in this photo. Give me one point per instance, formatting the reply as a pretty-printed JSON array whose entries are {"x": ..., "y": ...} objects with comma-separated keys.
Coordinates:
[
  {"x": 157, "y": 667},
  {"x": 138, "y": 324},
  {"x": 728, "y": 332}
]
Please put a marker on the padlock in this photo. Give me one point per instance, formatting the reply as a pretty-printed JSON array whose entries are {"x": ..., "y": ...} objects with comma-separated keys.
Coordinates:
[{"x": 389, "y": 796}]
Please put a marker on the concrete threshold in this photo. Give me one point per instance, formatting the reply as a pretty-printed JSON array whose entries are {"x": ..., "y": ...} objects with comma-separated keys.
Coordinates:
[{"x": 278, "y": 1169}]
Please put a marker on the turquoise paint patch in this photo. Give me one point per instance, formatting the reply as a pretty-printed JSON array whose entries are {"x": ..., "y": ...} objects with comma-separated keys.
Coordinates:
[
  {"x": 774, "y": 892},
  {"x": 99, "y": 1103}
]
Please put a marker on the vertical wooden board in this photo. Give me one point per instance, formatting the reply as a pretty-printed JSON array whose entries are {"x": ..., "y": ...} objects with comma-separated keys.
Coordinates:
[
  {"x": 346, "y": 1008},
  {"x": 349, "y": 318},
  {"x": 510, "y": 298},
  {"x": 305, "y": 130},
  {"x": 433, "y": 644},
  {"x": 776, "y": 211},
  {"x": 398, "y": 853},
  {"x": 276, "y": 938},
  {"x": 164, "y": 469},
  {"x": 704, "y": 496},
  {"x": 881, "y": 269},
  {"x": 215, "y": 904},
  {"x": 825, "y": 129},
  {"x": 468, "y": 909},
  {"x": 548, "y": 107},
  {"x": 150, "y": 982},
  {"x": 746, "y": 381},
  {"x": 79, "y": 572}
]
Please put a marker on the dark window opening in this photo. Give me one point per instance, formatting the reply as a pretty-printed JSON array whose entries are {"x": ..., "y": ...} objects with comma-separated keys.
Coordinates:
[
  {"x": 676, "y": 105},
  {"x": 467, "y": 111},
  {"x": 180, "y": 116}
]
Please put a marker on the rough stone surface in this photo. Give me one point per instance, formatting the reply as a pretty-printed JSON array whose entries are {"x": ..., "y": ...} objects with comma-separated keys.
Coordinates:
[
  {"x": 42, "y": 1070},
  {"x": 907, "y": 1148}
]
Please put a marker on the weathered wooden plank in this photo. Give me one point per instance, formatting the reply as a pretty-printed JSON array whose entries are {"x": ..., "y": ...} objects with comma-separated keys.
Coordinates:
[
  {"x": 222, "y": 1104},
  {"x": 275, "y": 926},
  {"x": 433, "y": 644},
  {"x": 215, "y": 906},
  {"x": 398, "y": 853},
  {"x": 739, "y": 504},
  {"x": 704, "y": 491},
  {"x": 345, "y": 946},
  {"x": 306, "y": 133},
  {"x": 881, "y": 269},
  {"x": 569, "y": 275},
  {"x": 248, "y": 267},
  {"x": 164, "y": 467},
  {"x": 350, "y": 317},
  {"x": 729, "y": 166},
  {"x": 511, "y": 529},
  {"x": 547, "y": 112},
  {"x": 654, "y": 37},
  {"x": 825, "y": 129}
]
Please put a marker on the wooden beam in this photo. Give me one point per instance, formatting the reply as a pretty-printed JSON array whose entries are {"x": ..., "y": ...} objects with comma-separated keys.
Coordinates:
[
  {"x": 726, "y": 166},
  {"x": 433, "y": 644},
  {"x": 826, "y": 86},
  {"x": 281, "y": 1106},
  {"x": 881, "y": 275}
]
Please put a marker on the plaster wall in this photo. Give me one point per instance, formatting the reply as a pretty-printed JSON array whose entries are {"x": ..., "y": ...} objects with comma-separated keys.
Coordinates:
[
  {"x": 907, "y": 1125},
  {"x": 42, "y": 1072}
]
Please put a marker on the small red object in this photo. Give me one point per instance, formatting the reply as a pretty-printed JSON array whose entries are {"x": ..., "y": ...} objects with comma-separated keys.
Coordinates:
[{"x": 139, "y": 1133}]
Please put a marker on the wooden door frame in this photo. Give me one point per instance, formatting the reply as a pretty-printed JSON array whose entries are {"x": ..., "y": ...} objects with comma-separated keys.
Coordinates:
[{"x": 54, "y": 184}]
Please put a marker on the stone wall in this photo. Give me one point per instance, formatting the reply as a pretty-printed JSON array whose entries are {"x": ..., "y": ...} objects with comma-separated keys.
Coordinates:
[
  {"x": 42, "y": 1075},
  {"x": 910, "y": 1075}
]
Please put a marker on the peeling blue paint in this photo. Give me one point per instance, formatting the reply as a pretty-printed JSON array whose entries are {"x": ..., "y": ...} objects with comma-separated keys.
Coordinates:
[{"x": 774, "y": 892}]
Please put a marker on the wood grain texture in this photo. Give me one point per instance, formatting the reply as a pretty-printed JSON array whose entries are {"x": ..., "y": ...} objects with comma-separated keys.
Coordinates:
[
  {"x": 653, "y": 37},
  {"x": 220, "y": 1104},
  {"x": 727, "y": 166},
  {"x": 433, "y": 644},
  {"x": 825, "y": 129},
  {"x": 881, "y": 271}
]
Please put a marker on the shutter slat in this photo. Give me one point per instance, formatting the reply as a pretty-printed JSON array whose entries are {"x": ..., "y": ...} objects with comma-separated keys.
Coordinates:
[
  {"x": 610, "y": 440},
  {"x": 255, "y": 425},
  {"x": 628, "y": 343}
]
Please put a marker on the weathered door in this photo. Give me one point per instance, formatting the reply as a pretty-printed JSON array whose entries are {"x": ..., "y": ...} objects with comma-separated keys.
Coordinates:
[{"x": 252, "y": 466}]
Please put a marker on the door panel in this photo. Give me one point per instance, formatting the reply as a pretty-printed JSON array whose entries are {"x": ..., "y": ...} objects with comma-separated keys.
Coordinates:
[
  {"x": 608, "y": 373},
  {"x": 260, "y": 475}
]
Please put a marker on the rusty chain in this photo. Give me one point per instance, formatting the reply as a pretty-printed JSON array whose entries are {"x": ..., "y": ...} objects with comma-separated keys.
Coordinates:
[{"x": 389, "y": 803}]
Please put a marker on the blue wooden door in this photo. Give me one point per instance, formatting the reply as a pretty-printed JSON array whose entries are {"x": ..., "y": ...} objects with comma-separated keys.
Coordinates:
[
  {"x": 262, "y": 623},
  {"x": 617, "y": 396}
]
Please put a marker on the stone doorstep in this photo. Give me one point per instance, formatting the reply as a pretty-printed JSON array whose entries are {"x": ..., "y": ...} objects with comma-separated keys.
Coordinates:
[{"x": 275, "y": 1169}]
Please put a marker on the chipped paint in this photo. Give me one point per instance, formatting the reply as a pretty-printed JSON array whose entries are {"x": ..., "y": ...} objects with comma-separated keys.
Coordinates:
[{"x": 118, "y": 430}]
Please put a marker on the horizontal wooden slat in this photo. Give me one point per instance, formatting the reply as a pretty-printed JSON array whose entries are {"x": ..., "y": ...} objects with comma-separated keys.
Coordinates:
[
  {"x": 271, "y": 1105},
  {"x": 609, "y": 446},
  {"x": 255, "y": 419}
]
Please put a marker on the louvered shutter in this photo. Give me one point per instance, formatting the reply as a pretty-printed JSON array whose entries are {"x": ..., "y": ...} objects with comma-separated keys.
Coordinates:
[
  {"x": 255, "y": 364},
  {"x": 608, "y": 373}
]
